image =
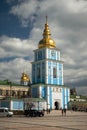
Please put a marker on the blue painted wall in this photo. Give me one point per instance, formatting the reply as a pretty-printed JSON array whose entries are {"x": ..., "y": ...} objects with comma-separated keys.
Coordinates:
[
  {"x": 43, "y": 92},
  {"x": 58, "y": 79},
  {"x": 18, "y": 105},
  {"x": 50, "y": 97},
  {"x": 15, "y": 105},
  {"x": 35, "y": 92},
  {"x": 39, "y": 68},
  {"x": 5, "y": 104}
]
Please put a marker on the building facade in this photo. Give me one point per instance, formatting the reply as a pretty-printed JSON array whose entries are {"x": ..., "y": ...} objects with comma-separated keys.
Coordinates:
[
  {"x": 9, "y": 89},
  {"x": 47, "y": 73},
  {"x": 13, "y": 91}
]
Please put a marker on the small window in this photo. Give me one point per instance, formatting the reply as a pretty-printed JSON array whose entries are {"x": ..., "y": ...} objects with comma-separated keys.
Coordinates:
[
  {"x": 38, "y": 72},
  {"x": 0, "y": 92},
  {"x": 54, "y": 72},
  {"x": 7, "y": 92}
]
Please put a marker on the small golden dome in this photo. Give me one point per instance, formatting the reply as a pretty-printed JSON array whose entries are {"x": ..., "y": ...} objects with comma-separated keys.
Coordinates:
[
  {"x": 25, "y": 77},
  {"x": 47, "y": 40}
]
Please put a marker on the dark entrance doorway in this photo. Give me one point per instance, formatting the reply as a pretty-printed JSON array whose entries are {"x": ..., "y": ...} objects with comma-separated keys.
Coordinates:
[{"x": 56, "y": 105}]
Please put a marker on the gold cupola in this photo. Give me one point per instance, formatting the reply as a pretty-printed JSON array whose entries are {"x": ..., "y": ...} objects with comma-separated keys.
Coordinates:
[
  {"x": 25, "y": 77},
  {"x": 47, "y": 41},
  {"x": 25, "y": 80}
]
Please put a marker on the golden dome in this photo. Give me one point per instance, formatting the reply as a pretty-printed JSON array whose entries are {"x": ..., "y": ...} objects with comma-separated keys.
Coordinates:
[
  {"x": 25, "y": 77},
  {"x": 47, "y": 40}
]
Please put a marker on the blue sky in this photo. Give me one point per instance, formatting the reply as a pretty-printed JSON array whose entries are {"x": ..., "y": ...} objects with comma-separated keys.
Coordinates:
[
  {"x": 10, "y": 25},
  {"x": 21, "y": 27}
]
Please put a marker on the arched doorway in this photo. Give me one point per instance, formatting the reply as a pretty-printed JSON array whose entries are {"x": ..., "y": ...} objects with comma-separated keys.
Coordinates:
[{"x": 56, "y": 105}]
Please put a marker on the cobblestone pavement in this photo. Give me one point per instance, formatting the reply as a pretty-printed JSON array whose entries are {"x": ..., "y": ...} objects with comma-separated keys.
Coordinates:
[{"x": 52, "y": 121}]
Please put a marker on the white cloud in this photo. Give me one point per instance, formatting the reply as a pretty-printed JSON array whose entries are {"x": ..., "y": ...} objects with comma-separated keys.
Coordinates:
[
  {"x": 18, "y": 50},
  {"x": 82, "y": 90},
  {"x": 13, "y": 70},
  {"x": 24, "y": 10},
  {"x": 15, "y": 47},
  {"x": 77, "y": 6}
]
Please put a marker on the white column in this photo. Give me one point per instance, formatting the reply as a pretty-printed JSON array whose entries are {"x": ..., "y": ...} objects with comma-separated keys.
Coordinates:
[
  {"x": 48, "y": 102},
  {"x": 51, "y": 72},
  {"x": 62, "y": 75},
  {"x": 40, "y": 88},
  {"x": 46, "y": 70}
]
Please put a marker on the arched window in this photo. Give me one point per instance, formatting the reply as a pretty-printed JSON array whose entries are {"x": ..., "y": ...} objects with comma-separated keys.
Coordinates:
[
  {"x": 0, "y": 92},
  {"x": 13, "y": 93},
  {"x": 7, "y": 92},
  {"x": 54, "y": 72},
  {"x": 38, "y": 72}
]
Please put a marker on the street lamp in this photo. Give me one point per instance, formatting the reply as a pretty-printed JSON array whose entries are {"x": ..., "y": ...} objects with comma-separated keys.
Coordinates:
[
  {"x": 10, "y": 89},
  {"x": 38, "y": 105},
  {"x": 10, "y": 83}
]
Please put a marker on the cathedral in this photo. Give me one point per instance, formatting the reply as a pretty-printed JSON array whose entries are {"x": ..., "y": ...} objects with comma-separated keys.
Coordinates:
[
  {"x": 47, "y": 78},
  {"x": 47, "y": 73}
]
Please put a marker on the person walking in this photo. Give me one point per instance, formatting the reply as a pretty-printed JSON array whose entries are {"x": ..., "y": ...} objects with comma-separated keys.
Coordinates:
[
  {"x": 65, "y": 111},
  {"x": 62, "y": 112}
]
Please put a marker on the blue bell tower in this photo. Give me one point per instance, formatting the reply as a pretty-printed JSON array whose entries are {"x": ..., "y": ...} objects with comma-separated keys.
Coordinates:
[{"x": 47, "y": 73}]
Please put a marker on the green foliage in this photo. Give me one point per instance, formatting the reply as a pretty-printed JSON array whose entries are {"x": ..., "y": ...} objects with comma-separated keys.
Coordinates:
[
  {"x": 72, "y": 96},
  {"x": 4, "y": 82}
]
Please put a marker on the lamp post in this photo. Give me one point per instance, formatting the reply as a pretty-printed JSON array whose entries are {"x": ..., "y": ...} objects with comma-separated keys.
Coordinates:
[
  {"x": 10, "y": 89},
  {"x": 10, "y": 83},
  {"x": 38, "y": 105}
]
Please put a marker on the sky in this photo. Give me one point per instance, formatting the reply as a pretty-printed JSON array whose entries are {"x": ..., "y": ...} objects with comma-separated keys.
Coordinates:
[{"x": 21, "y": 28}]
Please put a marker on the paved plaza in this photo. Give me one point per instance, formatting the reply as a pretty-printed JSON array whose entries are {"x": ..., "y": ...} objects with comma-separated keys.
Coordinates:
[{"x": 52, "y": 121}]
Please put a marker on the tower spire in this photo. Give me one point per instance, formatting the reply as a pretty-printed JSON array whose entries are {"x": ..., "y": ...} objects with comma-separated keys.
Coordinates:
[
  {"x": 46, "y": 19},
  {"x": 47, "y": 40},
  {"x": 46, "y": 32}
]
